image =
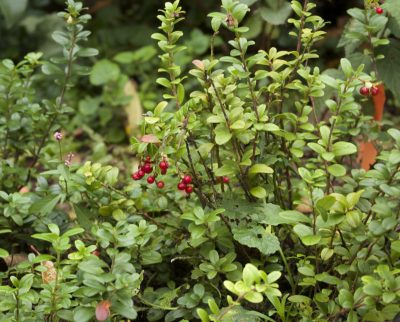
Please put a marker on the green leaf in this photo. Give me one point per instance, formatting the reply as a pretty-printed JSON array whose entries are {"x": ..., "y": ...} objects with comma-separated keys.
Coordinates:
[
  {"x": 257, "y": 237},
  {"x": 260, "y": 168},
  {"x": 225, "y": 170},
  {"x": 238, "y": 125},
  {"x": 258, "y": 192},
  {"x": 276, "y": 16},
  {"x": 294, "y": 216},
  {"x": 103, "y": 72},
  {"x": 250, "y": 275},
  {"x": 323, "y": 205},
  {"x": 372, "y": 289},
  {"x": 254, "y": 297},
  {"x": 343, "y": 148},
  {"x": 346, "y": 67},
  {"x": 3, "y": 253},
  {"x": 395, "y": 246},
  {"x": 83, "y": 314},
  {"x": 84, "y": 216},
  {"x": 88, "y": 52},
  {"x": 73, "y": 232},
  {"x": 12, "y": 10},
  {"x": 392, "y": 6},
  {"x": 45, "y": 205},
  {"x": 222, "y": 134},
  {"x": 311, "y": 240},
  {"x": 337, "y": 170},
  {"x": 306, "y": 235},
  {"x": 389, "y": 68}
]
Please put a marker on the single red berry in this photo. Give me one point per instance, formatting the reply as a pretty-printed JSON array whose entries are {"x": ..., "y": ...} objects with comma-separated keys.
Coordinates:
[
  {"x": 148, "y": 159},
  {"x": 96, "y": 253},
  {"x": 147, "y": 168},
  {"x": 374, "y": 90},
  {"x": 181, "y": 186},
  {"x": 135, "y": 176},
  {"x": 141, "y": 173},
  {"x": 225, "y": 179},
  {"x": 160, "y": 184},
  {"x": 151, "y": 179},
  {"x": 379, "y": 10},
  {"x": 189, "y": 189},
  {"x": 187, "y": 179},
  {"x": 163, "y": 165},
  {"x": 364, "y": 91}
]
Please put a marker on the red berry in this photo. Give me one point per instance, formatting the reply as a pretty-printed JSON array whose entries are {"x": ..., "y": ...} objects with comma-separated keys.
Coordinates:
[
  {"x": 151, "y": 179},
  {"x": 181, "y": 186},
  {"x": 364, "y": 90},
  {"x": 148, "y": 159},
  {"x": 96, "y": 253},
  {"x": 374, "y": 90},
  {"x": 225, "y": 179},
  {"x": 163, "y": 171},
  {"x": 163, "y": 165},
  {"x": 189, "y": 189},
  {"x": 187, "y": 179},
  {"x": 135, "y": 176},
  {"x": 160, "y": 184},
  {"x": 379, "y": 10},
  {"x": 140, "y": 173},
  {"x": 147, "y": 168}
]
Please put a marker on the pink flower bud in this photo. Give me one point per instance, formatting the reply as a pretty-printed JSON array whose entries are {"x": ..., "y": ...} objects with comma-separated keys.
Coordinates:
[{"x": 58, "y": 136}]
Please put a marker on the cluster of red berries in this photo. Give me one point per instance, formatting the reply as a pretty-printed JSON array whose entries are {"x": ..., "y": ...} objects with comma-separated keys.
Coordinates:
[
  {"x": 184, "y": 184},
  {"x": 379, "y": 10},
  {"x": 147, "y": 168},
  {"x": 366, "y": 91}
]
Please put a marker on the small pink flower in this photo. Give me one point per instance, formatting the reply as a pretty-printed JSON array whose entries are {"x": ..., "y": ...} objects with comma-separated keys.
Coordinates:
[
  {"x": 58, "y": 136},
  {"x": 68, "y": 160}
]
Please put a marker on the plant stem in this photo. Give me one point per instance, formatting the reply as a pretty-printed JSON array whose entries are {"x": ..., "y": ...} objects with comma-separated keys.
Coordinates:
[{"x": 59, "y": 104}]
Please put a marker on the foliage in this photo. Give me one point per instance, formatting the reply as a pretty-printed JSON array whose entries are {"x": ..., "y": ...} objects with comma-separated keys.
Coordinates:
[{"x": 283, "y": 225}]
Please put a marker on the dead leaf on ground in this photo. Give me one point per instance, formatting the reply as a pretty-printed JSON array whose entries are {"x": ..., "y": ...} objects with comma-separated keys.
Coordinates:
[{"x": 15, "y": 259}]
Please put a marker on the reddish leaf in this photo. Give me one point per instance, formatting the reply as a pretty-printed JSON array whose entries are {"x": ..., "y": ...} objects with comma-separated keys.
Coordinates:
[
  {"x": 366, "y": 154},
  {"x": 149, "y": 138},
  {"x": 379, "y": 102},
  {"x": 198, "y": 63},
  {"x": 103, "y": 310}
]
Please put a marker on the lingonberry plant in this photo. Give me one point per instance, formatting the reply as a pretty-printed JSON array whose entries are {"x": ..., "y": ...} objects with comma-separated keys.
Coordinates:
[{"x": 247, "y": 200}]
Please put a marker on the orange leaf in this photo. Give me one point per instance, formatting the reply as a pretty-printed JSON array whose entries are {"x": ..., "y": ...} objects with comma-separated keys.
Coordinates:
[
  {"x": 379, "y": 102},
  {"x": 366, "y": 154},
  {"x": 103, "y": 310}
]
